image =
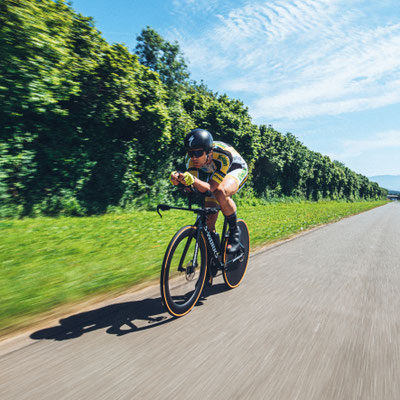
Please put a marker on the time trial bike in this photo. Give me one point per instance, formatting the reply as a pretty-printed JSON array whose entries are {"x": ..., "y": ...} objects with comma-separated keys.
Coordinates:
[{"x": 195, "y": 255}]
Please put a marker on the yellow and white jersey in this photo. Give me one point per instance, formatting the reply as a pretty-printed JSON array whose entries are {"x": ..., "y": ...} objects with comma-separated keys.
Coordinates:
[{"x": 225, "y": 159}]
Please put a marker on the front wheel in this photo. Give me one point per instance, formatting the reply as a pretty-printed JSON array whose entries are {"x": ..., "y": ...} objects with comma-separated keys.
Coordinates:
[
  {"x": 183, "y": 271},
  {"x": 234, "y": 272}
]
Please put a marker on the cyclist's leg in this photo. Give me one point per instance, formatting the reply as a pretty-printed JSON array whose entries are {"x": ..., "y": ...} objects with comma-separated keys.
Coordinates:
[
  {"x": 211, "y": 218},
  {"x": 231, "y": 184},
  {"x": 228, "y": 187},
  {"x": 223, "y": 193}
]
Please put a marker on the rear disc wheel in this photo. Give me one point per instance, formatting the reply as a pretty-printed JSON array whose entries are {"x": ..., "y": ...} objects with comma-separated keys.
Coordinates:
[{"x": 234, "y": 273}]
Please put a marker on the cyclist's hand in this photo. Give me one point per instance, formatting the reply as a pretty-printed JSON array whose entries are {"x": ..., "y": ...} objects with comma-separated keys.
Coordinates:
[
  {"x": 174, "y": 178},
  {"x": 186, "y": 178}
]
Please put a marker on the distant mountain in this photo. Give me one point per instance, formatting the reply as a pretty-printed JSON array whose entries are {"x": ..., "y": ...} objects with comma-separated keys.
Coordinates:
[{"x": 390, "y": 182}]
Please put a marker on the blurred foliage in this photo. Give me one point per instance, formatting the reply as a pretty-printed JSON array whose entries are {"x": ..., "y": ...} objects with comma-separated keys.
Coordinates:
[{"x": 87, "y": 126}]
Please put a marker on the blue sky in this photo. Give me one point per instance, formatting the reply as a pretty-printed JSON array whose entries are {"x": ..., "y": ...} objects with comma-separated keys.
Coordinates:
[{"x": 327, "y": 71}]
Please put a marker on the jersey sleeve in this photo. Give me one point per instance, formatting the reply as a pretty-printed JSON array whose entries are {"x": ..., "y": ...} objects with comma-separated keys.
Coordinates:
[{"x": 222, "y": 162}]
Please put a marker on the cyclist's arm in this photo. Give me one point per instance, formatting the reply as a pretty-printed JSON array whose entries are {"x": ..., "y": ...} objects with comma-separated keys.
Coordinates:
[
  {"x": 203, "y": 187},
  {"x": 223, "y": 162},
  {"x": 198, "y": 184},
  {"x": 176, "y": 177}
]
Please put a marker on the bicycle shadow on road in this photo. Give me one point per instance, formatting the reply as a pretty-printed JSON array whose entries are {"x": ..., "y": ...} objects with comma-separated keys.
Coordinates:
[{"x": 118, "y": 319}]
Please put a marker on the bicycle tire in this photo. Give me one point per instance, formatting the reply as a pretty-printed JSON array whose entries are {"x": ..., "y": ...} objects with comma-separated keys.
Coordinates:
[
  {"x": 181, "y": 289},
  {"x": 234, "y": 274}
]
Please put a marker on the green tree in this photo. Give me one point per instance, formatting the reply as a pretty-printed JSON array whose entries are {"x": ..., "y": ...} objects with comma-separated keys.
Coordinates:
[
  {"x": 75, "y": 108},
  {"x": 163, "y": 57}
]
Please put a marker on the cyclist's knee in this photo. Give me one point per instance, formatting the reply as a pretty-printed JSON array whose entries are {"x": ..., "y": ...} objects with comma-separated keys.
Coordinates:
[
  {"x": 226, "y": 189},
  {"x": 220, "y": 194}
]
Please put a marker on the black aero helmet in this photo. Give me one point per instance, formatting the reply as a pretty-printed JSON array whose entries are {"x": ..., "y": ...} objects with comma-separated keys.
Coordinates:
[{"x": 199, "y": 139}]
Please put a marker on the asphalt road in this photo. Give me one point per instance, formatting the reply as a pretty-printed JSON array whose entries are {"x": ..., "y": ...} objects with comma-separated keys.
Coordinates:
[{"x": 316, "y": 317}]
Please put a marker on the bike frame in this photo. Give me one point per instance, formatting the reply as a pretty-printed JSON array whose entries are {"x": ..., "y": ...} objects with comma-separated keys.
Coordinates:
[
  {"x": 215, "y": 253},
  {"x": 202, "y": 227}
]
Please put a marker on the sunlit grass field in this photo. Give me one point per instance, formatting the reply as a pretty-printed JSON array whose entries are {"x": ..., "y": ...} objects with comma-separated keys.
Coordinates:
[{"x": 47, "y": 262}]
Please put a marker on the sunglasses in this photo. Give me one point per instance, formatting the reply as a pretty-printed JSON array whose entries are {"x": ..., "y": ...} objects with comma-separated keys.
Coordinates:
[{"x": 195, "y": 153}]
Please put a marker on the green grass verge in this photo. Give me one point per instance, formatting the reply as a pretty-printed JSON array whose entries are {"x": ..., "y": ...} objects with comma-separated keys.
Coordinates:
[{"x": 47, "y": 262}]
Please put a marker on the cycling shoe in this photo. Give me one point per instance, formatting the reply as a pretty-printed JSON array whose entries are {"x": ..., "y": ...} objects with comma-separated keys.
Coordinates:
[{"x": 233, "y": 242}]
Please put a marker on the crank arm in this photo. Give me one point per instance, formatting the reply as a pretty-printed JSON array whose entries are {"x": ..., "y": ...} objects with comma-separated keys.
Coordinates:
[{"x": 238, "y": 257}]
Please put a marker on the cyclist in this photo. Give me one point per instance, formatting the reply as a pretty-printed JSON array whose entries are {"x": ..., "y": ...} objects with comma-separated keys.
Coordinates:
[{"x": 227, "y": 172}]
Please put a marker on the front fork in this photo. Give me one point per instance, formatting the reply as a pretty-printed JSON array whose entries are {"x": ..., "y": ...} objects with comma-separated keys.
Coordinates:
[
  {"x": 189, "y": 269},
  {"x": 196, "y": 249}
]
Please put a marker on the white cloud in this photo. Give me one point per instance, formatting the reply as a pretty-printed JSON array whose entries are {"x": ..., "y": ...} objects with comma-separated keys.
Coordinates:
[
  {"x": 326, "y": 98},
  {"x": 355, "y": 148},
  {"x": 276, "y": 20},
  {"x": 300, "y": 58}
]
